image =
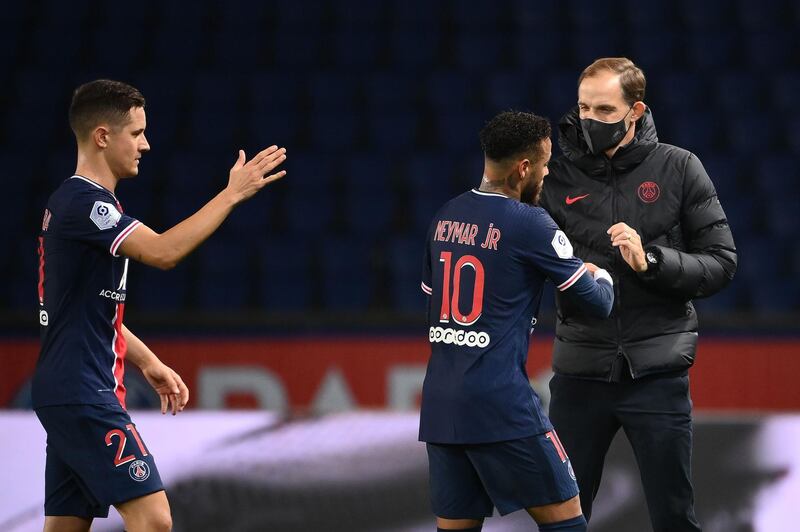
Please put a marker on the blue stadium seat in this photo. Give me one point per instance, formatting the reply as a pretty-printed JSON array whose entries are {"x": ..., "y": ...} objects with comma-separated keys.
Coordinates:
[
  {"x": 678, "y": 91},
  {"x": 763, "y": 15},
  {"x": 357, "y": 14},
  {"x": 285, "y": 277},
  {"x": 785, "y": 88},
  {"x": 590, "y": 44},
  {"x": 253, "y": 218},
  {"x": 480, "y": 52},
  {"x": 358, "y": 48},
  {"x": 644, "y": 16},
  {"x": 407, "y": 14},
  {"x": 301, "y": 17},
  {"x": 369, "y": 196},
  {"x": 737, "y": 91},
  {"x": 711, "y": 14},
  {"x": 309, "y": 204},
  {"x": 476, "y": 15},
  {"x": 589, "y": 15},
  {"x": 176, "y": 46},
  {"x": 780, "y": 295},
  {"x": 537, "y": 55},
  {"x": 777, "y": 175},
  {"x": 458, "y": 130},
  {"x": 333, "y": 91},
  {"x": 117, "y": 58},
  {"x": 729, "y": 299},
  {"x": 22, "y": 293},
  {"x": 266, "y": 127},
  {"x": 770, "y": 50},
  {"x": 685, "y": 129},
  {"x": 558, "y": 94},
  {"x": 708, "y": 51},
  {"x": 274, "y": 91},
  {"x": 536, "y": 17},
  {"x": 153, "y": 289},
  {"x": 390, "y": 90},
  {"x": 191, "y": 180},
  {"x": 296, "y": 48},
  {"x": 391, "y": 131},
  {"x": 750, "y": 132},
  {"x": 654, "y": 50},
  {"x": 761, "y": 259},
  {"x": 53, "y": 47},
  {"x": 510, "y": 90},
  {"x": 724, "y": 171},
  {"x": 347, "y": 280},
  {"x": 447, "y": 90},
  {"x": 334, "y": 131},
  {"x": 414, "y": 48},
  {"x": 224, "y": 280},
  {"x": 216, "y": 91},
  {"x": 64, "y": 13},
  {"x": 405, "y": 270},
  {"x": 214, "y": 129}
]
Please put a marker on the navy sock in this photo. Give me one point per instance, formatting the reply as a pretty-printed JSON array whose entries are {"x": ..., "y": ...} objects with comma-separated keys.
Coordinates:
[
  {"x": 472, "y": 529},
  {"x": 576, "y": 524}
]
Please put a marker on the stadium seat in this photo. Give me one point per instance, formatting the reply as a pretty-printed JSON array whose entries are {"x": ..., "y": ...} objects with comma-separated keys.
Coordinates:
[
  {"x": 347, "y": 280},
  {"x": 589, "y": 44},
  {"x": 645, "y": 16},
  {"x": 535, "y": 17},
  {"x": 703, "y": 16},
  {"x": 333, "y": 91},
  {"x": 770, "y": 50},
  {"x": 558, "y": 94},
  {"x": 285, "y": 279},
  {"x": 479, "y": 52},
  {"x": 724, "y": 170},
  {"x": 537, "y": 55},
  {"x": 176, "y": 46},
  {"x": 333, "y": 131},
  {"x": 785, "y": 88},
  {"x": 393, "y": 131},
  {"x": 150, "y": 289},
  {"x": 369, "y": 196},
  {"x": 590, "y": 15},
  {"x": 357, "y": 48},
  {"x": 224, "y": 278},
  {"x": 655, "y": 50},
  {"x": 414, "y": 48},
  {"x": 510, "y": 90},
  {"x": 214, "y": 129},
  {"x": 296, "y": 47},
  {"x": 738, "y": 91},
  {"x": 458, "y": 130},
  {"x": 119, "y": 59},
  {"x": 678, "y": 91},
  {"x": 405, "y": 270},
  {"x": 750, "y": 132},
  {"x": 687, "y": 130},
  {"x": 764, "y": 15},
  {"x": 389, "y": 90},
  {"x": 713, "y": 50}
]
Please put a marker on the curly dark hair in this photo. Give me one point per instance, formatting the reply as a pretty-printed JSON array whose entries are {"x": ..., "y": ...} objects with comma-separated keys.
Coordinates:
[
  {"x": 513, "y": 133},
  {"x": 101, "y": 101}
]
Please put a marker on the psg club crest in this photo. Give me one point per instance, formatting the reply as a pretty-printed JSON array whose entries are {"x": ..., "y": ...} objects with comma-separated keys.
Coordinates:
[
  {"x": 139, "y": 470},
  {"x": 649, "y": 192}
]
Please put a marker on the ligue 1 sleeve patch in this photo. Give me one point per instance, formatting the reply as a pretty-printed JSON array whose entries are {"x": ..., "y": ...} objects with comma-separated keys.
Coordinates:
[
  {"x": 104, "y": 215},
  {"x": 562, "y": 245}
]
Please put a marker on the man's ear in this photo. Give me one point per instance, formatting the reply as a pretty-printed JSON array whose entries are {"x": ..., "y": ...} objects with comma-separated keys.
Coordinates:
[
  {"x": 638, "y": 110},
  {"x": 100, "y": 136}
]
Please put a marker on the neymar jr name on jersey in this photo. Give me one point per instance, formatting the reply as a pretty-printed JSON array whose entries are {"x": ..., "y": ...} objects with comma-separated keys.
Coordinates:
[{"x": 465, "y": 233}]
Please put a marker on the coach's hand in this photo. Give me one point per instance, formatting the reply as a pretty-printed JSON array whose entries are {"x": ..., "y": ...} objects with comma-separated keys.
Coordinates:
[
  {"x": 247, "y": 178},
  {"x": 170, "y": 387},
  {"x": 630, "y": 245}
]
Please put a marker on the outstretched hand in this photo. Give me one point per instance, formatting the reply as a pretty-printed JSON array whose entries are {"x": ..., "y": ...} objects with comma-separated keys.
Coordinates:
[
  {"x": 172, "y": 391},
  {"x": 247, "y": 178}
]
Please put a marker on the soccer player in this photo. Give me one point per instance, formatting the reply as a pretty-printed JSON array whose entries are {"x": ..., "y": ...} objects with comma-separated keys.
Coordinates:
[
  {"x": 95, "y": 455},
  {"x": 487, "y": 258}
]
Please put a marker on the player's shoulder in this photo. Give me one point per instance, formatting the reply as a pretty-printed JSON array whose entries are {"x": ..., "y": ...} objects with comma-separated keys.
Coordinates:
[{"x": 533, "y": 216}]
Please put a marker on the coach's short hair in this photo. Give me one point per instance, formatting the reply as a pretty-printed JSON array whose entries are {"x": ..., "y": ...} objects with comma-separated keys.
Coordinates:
[
  {"x": 631, "y": 77},
  {"x": 513, "y": 133},
  {"x": 102, "y": 101}
]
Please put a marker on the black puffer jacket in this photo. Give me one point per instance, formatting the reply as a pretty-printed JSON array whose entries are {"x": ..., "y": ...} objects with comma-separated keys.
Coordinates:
[{"x": 665, "y": 194}]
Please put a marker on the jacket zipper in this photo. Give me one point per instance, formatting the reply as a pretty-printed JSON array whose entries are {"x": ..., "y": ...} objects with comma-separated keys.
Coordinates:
[{"x": 617, "y": 299}]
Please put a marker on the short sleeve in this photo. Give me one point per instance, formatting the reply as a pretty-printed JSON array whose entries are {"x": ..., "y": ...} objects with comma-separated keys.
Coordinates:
[
  {"x": 95, "y": 217},
  {"x": 427, "y": 282},
  {"x": 550, "y": 251}
]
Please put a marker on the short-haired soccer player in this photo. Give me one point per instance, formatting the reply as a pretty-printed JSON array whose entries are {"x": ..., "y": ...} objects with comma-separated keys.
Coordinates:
[
  {"x": 95, "y": 455},
  {"x": 487, "y": 258}
]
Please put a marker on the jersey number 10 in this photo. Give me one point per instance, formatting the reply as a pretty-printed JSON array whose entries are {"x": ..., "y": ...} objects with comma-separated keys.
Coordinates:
[{"x": 450, "y": 302}]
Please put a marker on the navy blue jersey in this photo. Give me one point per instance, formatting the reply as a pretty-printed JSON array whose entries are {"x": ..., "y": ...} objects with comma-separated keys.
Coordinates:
[
  {"x": 82, "y": 289},
  {"x": 486, "y": 261}
]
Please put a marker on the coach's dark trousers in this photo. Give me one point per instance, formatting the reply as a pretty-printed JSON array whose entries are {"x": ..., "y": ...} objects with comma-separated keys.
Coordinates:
[{"x": 655, "y": 413}]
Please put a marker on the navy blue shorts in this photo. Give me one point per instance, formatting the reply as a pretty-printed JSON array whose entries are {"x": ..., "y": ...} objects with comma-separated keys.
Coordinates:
[
  {"x": 95, "y": 458},
  {"x": 468, "y": 480}
]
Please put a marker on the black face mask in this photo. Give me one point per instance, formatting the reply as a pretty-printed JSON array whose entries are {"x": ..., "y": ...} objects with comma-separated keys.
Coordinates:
[{"x": 601, "y": 136}]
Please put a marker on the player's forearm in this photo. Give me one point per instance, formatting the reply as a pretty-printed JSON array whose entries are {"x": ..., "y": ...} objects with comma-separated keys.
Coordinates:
[
  {"x": 166, "y": 250},
  {"x": 176, "y": 243},
  {"x": 138, "y": 353}
]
